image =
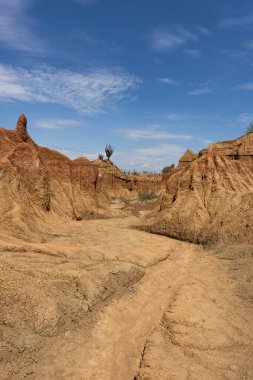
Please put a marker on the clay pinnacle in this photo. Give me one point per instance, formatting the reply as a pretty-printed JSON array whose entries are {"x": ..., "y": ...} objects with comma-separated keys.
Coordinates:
[{"x": 21, "y": 127}]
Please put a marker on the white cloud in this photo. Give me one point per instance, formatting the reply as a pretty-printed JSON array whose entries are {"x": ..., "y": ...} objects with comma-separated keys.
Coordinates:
[
  {"x": 56, "y": 123},
  {"x": 244, "y": 86},
  {"x": 151, "y": 132},
  {"x": 149, "y": 158},
  {"x": 90, "y": 93},
  {"x": 17, "y": 31},
  {"x": 169, "y": 81},
  {"x": 201, "y": 91},
  {"x": 165, "y": 39},
  {"x": 161, "y": 150},
  {"x": 230, "y": 22},
  {"x": 182, "y": 118},
  {"x": 193, "y": 53}
]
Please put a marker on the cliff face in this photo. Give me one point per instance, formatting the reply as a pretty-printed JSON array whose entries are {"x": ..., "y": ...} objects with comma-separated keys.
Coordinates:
[{"x": 210, "y": 200}]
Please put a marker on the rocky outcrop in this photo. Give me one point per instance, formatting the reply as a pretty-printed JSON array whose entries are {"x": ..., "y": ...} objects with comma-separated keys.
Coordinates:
[
  {"x": 21, "y": 128},
  {"x": 187, "y": 157},
  {"x": 210, "y": 200}
]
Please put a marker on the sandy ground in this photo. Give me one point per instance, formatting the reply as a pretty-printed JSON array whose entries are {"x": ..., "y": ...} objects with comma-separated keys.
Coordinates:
[{"x": 101, "y": 300}]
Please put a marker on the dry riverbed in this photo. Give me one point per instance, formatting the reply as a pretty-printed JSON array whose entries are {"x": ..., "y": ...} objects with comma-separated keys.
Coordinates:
[{"x": 100, "y": 300}]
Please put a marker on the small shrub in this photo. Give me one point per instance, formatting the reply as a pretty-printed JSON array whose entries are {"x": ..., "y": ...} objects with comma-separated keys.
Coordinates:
[
  {"x": 100, "y": 156},
  {"x": 125, "y": 200},
  {"x": 250, "y": 128},
  {"x": 147, "y": 196},
  {"x": 109, "y": 151},
  {"x": 166, "y": 169}
]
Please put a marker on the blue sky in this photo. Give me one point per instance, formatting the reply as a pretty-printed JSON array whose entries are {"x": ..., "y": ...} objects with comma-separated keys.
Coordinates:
[{"x": 152, "y": 78}]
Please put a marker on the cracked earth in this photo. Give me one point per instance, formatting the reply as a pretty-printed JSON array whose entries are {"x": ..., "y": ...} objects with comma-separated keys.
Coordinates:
[{"x": 101, "y": 300}]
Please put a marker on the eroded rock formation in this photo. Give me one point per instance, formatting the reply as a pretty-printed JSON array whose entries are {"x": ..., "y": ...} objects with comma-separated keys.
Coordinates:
[
  {"x": 187, "y": 157},
  {"x": 210, "y": 200},
  {"x": 37, "y": 183}
]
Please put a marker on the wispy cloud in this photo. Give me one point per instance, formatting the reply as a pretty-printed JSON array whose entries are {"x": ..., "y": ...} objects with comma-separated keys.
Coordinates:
[
  {"x": 173, "y": 116},
  {"x": 149, "y": 158},
  {"x": 169, "y": 81},
  {"x": 193, "y": 53},
  {"x": 249, "y": 45},
  {"x": 166, "y": 39},
  {"x": 245, "y": 117},
  {"x": 17, "y": 30},
  {"x": 248, "y": 86},
  {"x": 150, "y": 132},
  {"x": 235, "y": 53},
  {"x": 236, "y": 21},
  {"x": 203, "y": 30},
  {"x": 171, "y": 149},
  {"x": 182, "y": 118},
  {"x": 90, "y": 93},
  {"x": 201, "y": 91},
  {"x": 204, "y": 89},
  {"x": 241, "y": 121},
  {"x": 56, "y": 123},
  {"x": 245, "y": 52}
]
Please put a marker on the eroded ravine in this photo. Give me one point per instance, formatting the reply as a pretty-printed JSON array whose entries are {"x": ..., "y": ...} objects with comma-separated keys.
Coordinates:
[{"x": 181, "y": 320}]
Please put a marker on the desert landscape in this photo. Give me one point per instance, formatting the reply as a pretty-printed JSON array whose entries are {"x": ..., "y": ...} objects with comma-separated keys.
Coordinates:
[{"x": 100, "y": 282}]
